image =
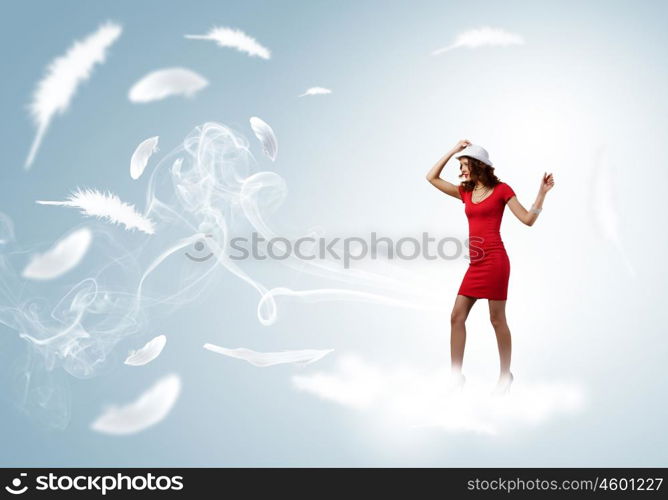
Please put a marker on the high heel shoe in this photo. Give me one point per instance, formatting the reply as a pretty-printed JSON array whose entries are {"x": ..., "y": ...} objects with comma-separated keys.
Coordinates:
[
  {"x": 456, "y": 383},
  {"x": 503, "y": 386}
]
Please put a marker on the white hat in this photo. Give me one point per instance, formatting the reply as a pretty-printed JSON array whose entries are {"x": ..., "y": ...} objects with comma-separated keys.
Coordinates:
[{"x": 477, "y": 152}]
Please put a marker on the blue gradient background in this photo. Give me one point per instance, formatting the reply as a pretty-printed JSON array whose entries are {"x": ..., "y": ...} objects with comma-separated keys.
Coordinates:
[{"x": 591, "y": 75}]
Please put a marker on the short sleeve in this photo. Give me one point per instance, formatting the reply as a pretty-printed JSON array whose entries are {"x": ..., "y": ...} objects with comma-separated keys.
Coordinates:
[
  {"x": 507, "y": 192},
  {"x": 461, "y": 193}
]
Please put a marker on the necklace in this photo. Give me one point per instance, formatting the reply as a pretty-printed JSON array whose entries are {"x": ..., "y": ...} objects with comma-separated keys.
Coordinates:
[{"x": 485, "y": 190}]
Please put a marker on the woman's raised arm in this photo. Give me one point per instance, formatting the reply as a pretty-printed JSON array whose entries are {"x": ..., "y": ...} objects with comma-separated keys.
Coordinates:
[
  {"x": 433, "y": 176},
  {"x": 528, "y": 217}
]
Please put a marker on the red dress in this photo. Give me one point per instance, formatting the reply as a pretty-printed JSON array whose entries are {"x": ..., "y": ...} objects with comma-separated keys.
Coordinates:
[{"x": 489, "y": 269}]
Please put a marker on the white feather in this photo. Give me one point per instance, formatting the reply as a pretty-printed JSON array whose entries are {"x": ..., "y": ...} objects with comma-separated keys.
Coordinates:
[
  {"x": 149, "y": 409},
  {"x": 6, "y": 229},
  {"x": 141, "y": 155},
  {"x": 64, "y": 74},
  {"x": 262, "y": 359},
  {"x": 107, "y": 206},
  {"x": 167, "y": 82},
  {"x": 237, "y": 39},
  {"x": 482, "y": 36},
  {"x": 64, "y": 255},
  {"x": 605, "y": 203},
  {"x": 266, "y": 135},
  {"x": 315, "y": 91},
  {"x": 148, "y": 353}
]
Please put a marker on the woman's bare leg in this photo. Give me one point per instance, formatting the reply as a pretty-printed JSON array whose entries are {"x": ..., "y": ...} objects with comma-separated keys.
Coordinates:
[
  {"x": 460, "y": 312},
  {"x": 497, "y": 315}
]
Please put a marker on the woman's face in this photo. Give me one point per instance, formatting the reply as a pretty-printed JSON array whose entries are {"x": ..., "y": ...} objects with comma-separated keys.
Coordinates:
[{"x": 464, "y": 167}]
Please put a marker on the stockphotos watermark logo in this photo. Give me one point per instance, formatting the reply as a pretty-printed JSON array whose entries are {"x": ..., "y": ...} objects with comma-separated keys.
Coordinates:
[
  {"x": 346, "y": 249},
  {"x": 96, "y": 483},
  {"x": 17, "y": 487}
]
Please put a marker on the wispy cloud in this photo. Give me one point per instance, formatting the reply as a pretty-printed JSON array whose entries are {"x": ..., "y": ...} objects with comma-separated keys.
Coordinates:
[
  {"x": 417, "y": 398},
  {"x": 236, "y": 39},
  {"x": 484, "y": 36},
  {"x": 64, "y": 74}
]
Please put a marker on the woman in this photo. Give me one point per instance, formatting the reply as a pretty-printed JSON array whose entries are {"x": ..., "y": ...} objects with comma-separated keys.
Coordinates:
[{"x": 484, "y": 197}]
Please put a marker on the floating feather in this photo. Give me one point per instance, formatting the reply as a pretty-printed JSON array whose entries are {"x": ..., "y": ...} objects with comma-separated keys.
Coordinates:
[
  {"x": 63, "y": 256},
  {"x": 148, "y": 353},
  {"x": 141, "y": 155},
  {"x": 55, "y": 91},
  {"x": 107, "y": 206},
  {"x": 605, "y": 205},
  {"x": 482, "y": 36},
  {"x": 167, "y": 82},
  {"x": 315, "y": 91},
  {"x": 237, "y": 39},
  {"x": 266, "y": 136},
  {"x": 262, "y": 359},
  {"x": 151, "y": 407},
  {"x": 6, "y": 229}
]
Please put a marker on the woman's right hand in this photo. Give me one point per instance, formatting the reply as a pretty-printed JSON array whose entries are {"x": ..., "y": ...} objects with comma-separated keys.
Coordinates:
[{"x": 461, "y": 145}]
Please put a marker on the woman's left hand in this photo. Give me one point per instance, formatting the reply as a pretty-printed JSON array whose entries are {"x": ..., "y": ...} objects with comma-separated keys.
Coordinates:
[{"x": 547, "y": 183}]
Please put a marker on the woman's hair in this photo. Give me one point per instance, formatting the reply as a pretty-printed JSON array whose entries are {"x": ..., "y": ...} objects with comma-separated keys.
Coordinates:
[{"x": 481, "y": 171}]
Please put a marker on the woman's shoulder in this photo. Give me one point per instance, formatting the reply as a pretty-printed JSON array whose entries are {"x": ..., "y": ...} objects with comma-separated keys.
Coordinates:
[{"x": 506, "y": 192}]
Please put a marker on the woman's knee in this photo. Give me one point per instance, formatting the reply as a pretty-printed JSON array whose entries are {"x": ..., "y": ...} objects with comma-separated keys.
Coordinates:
[
  {"x": 497, "y": 320},
  {"x": 457, "y": 317}
]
